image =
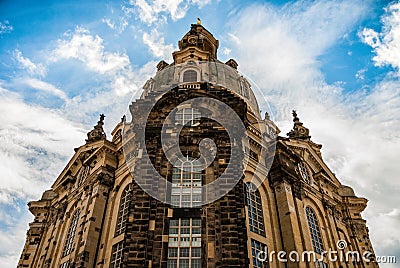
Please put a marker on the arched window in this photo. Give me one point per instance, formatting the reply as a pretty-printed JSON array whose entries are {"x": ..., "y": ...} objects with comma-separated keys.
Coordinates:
[
  {"x": 189, "y": 116},
  {"x": 190, "y": 76},
  {"x": 314, "y": 230},
  {"x": 304, "y": 172},
  {"x": 186, "y": 183},
  {"x": 254, "y": 208},
  {"x": 116, "y": 255},
  {"x": 69, "y": 241},
  {"x": 123, "y": 210}
]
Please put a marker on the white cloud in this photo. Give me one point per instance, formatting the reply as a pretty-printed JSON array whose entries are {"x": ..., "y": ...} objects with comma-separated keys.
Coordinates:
[
  {"x": 361, "y": 74},
  {"x": 115, "y": 78},
  {"x": 109, "y": 102},
  {"x": 89, "y": 49},
  {"x": 386, "y": 44},
  {"x": 109, "y": 23},
  {"x": 26, "y": 63},
  {"x": 119, "y": 25},
  {"x": 279, "y": 48},
  {"x": 46, "y": 87},
  {"x": 388, "y": 223},
  {"x": 226, "y": 51},
  {"x": 200, "y": 3},
  {"x": 5, "y": 27},
  {"x": 156, "y": 11},
  {"x": 11, "y": 243},
  {"x": 149, "y": 12},
  {"x": 30, "y": 137},
  {"x": 157, "y": 46}
]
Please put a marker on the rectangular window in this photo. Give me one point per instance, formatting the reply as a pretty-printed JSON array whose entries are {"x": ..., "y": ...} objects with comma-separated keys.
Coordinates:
[
  {"x": 116, "y": 255},
  {"x": 259, "y": 253},
  {"x": 172, "y": 263},
  {"x": 184, "y": 243}
]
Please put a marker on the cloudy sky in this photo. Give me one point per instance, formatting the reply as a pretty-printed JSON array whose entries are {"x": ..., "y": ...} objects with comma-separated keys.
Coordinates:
[{"x": 336, "y": 62}]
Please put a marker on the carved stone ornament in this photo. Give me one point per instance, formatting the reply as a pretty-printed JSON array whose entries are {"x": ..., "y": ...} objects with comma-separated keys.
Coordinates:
[
  {"x": 338, "y": 215},
  {"x": 192, "y": 40},
  {"x": 105, "y": 179},
  {"x": 298, "y": 191},
  {"x": 62, "y": 209},
  {"x": 279, "y": 188},
  {"x": 97, "y": 133},
  {"x": 161, "y": 65},
  {"x": 359, "y": 229},
  {"x": 299, "y": 131},
  {"x": 288, "y": 188}
]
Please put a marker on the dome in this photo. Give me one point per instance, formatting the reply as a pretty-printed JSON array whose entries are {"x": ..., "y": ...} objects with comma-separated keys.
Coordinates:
[
  {"x": 213, "y": 72},
  {"x": 196, "y": 61}
]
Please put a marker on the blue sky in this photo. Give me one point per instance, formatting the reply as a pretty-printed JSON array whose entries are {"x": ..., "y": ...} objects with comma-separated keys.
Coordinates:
[{"x": 64, "y": 62}]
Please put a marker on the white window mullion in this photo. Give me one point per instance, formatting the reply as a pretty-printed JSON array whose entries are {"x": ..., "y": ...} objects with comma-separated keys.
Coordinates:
[{"x": 184, "y": 246}]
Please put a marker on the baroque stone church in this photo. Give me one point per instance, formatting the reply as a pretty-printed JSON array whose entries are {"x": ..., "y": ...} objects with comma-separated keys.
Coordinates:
[{"x": 197, "y": 178}]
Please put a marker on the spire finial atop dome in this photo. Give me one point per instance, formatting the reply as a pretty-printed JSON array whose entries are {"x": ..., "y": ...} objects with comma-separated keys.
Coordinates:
[{"x": 198, "y": 44}]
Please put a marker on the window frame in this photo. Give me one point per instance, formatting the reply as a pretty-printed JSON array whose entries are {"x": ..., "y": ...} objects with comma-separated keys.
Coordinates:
[
  {"x": 65, "y": 264},
  {"x": 83, "y": 174},
  {"x": 70, "y": 238},
  {"x": 187, "y": 116},
  {"x": 305, "y": 173},
  {"x": 186, "y": 189},
  {"x": 255, "y": 212},
  {"x": 117, "y": 252},
  {"x": 179, "y": 242},
  {"x": 257, "y": 246},
  {"x": 123, "y": 210},
  {"x": 188, "y": 76},
  {"x": 315, "y": 230}
]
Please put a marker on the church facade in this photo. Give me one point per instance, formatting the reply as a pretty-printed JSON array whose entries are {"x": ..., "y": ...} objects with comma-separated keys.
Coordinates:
[{"x": 197, "y": 178}]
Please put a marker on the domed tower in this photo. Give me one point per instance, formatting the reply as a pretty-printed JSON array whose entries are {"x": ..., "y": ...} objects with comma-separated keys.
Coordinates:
[
  {"x": 195, "y": 134},
  {"x": 197, "y": 178}
]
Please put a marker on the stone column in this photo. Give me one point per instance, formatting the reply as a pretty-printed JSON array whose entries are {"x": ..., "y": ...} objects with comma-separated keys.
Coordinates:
[
  {"x": 88, "y": 244},
  {"x": 289, "y": 222}
]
